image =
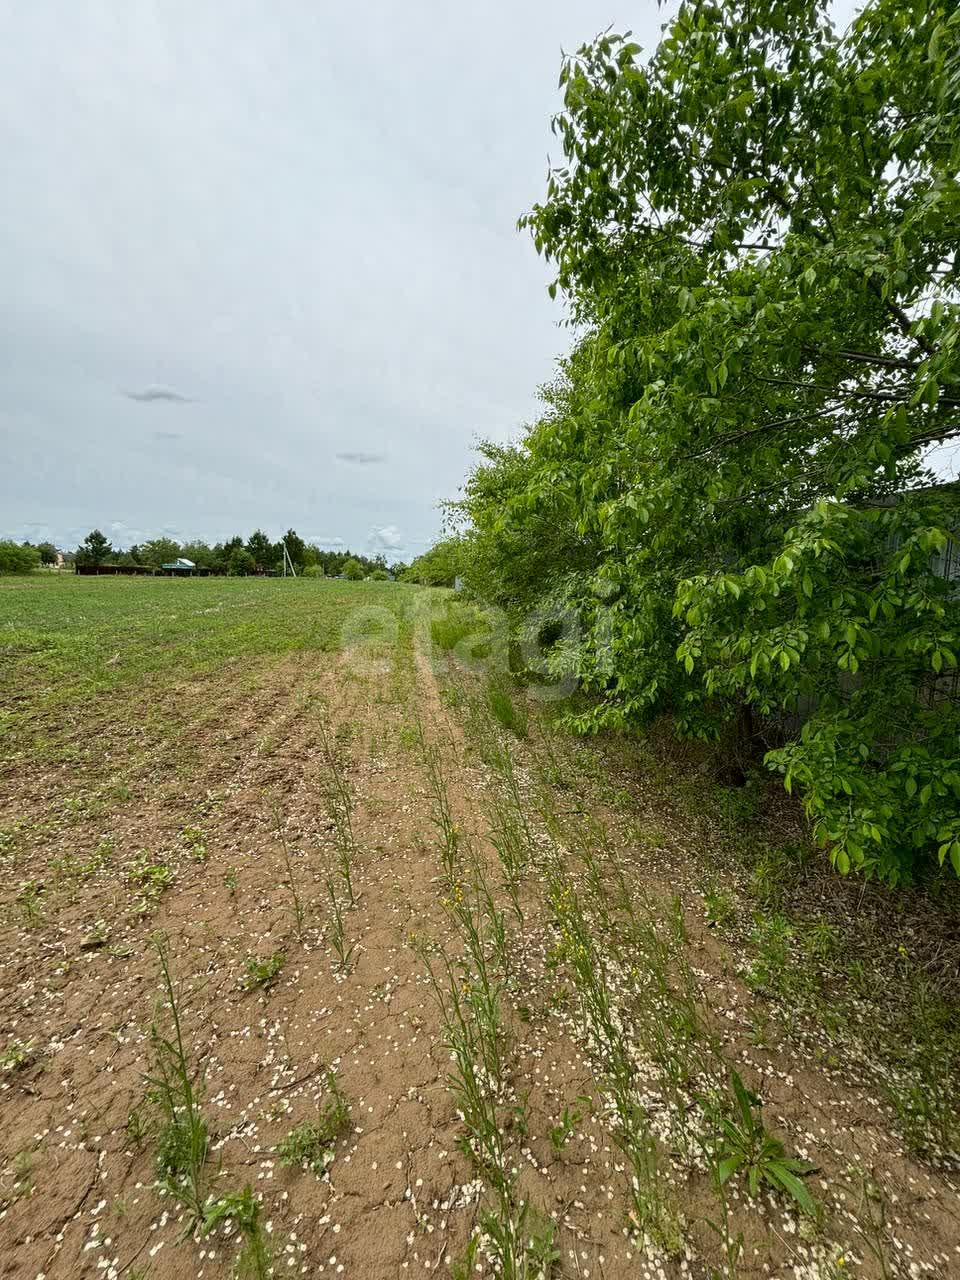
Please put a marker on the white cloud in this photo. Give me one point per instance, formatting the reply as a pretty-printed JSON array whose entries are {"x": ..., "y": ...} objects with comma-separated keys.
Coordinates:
[
  {"x": 361, "y": 459},
  {"x": 155, "y": 392},
  {"x": 387, "y": 540}
]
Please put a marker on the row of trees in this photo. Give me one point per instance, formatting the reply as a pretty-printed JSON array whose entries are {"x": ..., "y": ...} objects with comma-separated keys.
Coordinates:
[
  {"x": 438, "y": 567},
  {"x": 256, "y": 554},
  {"x": 757, "y": 232}
]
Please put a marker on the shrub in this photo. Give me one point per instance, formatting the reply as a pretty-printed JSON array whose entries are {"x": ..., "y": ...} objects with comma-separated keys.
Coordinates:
[{"x": 18, "y": 559}]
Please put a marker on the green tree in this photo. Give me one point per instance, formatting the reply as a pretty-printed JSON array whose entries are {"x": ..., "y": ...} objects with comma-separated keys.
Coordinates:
[
  {"x": 296, "y": 548},
  {"x": 199, "y": 552},
  {"x": 18, "y": 559},
  {"x": 222, "y": 551},
  {"x": 94, "y": 549},
  {"x": 757, "y": 231},
  {"x": 262, "y": 550},
  {"x": 159, "y": 551},
  {"x": 48, "y": 553},
  {"x": 439, "y": 566},
  {"x": 240, "y": 563},
  {"x": 353, "y": 569}
]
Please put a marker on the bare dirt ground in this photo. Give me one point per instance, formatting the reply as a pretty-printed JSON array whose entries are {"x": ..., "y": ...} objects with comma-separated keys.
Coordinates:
[
  {"x": 214, "y": 778},
  {"x": 91, "y": 1204}
]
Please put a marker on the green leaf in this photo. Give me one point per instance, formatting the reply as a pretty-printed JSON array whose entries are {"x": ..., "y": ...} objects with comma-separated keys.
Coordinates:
[
  {"x": 745, "y": 1100},
  {"x": 728, "y": 1167},
  {"x": 778, "y": 1173}
]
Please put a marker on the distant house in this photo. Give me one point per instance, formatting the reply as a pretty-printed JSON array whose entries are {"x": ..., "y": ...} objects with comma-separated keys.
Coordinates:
[{"x": 178, "y": 568}]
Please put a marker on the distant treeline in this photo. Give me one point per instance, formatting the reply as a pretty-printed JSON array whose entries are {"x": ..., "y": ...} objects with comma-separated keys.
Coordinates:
[{"x": 236, "y": 556}]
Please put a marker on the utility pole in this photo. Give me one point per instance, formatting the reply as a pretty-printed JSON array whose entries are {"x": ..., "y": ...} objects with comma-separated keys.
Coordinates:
[{"x": 287, "y": 560}]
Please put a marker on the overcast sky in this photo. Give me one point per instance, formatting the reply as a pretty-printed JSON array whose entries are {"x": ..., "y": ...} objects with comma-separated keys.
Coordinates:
[{"x": 259, "y": 260}]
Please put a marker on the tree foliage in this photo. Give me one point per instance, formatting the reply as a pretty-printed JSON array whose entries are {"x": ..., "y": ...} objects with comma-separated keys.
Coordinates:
[
  {"x": 95, "y": 549},
  {"x": 202, "y": 555},
  {"x": 262, "y": 550},
  {"x": 159, "y": 551},
  {"x": 438, "y": 567},
  {"x": 240, "y": 563},
  {"x": 296, "y": 548},
  {"x": 756, "y": 230},
  {"x": 17, "y": 558}
]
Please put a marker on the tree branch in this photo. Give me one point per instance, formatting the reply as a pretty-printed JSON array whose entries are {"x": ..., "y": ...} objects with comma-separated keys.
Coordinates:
[
  {"x": 863, "y": 357},
  {"x": 889, "y": 397},
  {"x": 736, "y": 436}
]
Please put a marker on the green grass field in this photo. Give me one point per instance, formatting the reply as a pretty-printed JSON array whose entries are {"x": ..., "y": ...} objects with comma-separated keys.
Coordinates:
[
  {"x": 66, "y": 639},
  {"x": 70, "y": 626}
]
